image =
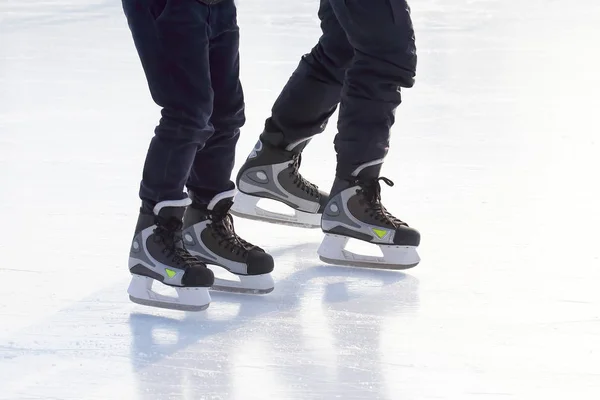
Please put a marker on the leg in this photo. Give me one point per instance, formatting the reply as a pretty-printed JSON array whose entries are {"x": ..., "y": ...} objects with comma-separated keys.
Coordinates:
[
  {"x": 209, "y": 232},
  {"x": 301, "y": 111},
  {"x": 313, "y": 92},
  {"x": 385, "y": 60},
  {"x": 172, "y": 42},
  {"x": 218, "y": 154},
  {"x": 170, "y": 37}
]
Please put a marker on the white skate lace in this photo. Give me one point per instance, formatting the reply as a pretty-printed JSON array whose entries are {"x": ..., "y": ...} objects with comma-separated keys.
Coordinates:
[{"x": 372, "y": 199}]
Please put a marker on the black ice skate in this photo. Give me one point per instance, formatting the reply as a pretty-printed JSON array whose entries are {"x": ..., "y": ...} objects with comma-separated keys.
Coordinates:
[
  {"x": 209, "y": 234},
  {"x": 355, "y": 212},
  {"x": 158, "y": 254},
  {"x": 271, "y": 171}
]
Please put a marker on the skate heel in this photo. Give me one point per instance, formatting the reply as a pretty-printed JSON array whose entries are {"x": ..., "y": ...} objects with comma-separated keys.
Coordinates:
[
  {"x": 188, "y": 298},
  {"x": 246, "y": 206},
  {"x": 333, "y": 251}
]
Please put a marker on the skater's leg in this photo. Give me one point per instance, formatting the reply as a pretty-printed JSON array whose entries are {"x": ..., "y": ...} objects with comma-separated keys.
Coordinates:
[
  {"x": 312, "y": 93},
  {"x": 302, "y": 110},
  {"x": 211, "y": 171},
  {"x": 172, "y": 42},
  {"x": 385, "y": 60},
  {"x": 209, "y": 231}
]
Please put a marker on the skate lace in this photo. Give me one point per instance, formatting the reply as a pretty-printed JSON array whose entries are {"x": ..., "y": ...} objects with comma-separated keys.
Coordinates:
[
  {"x": 168, "y": 232},
  {"x": 310, "y": 188},
  {"x": 224, "y": 231},
  {"x": 372, "y": 199}
]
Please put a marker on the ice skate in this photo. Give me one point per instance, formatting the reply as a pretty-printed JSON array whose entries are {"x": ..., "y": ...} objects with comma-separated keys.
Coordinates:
[
  {"x": 158, "y": 256},
  {"x": 209, "y": 234},
  {"x": 355, "y": 212},
  {"x": 271, "y": 172}
]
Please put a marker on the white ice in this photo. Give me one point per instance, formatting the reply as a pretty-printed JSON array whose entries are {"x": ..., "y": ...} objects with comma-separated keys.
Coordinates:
[{"x": 495, "y": 156}]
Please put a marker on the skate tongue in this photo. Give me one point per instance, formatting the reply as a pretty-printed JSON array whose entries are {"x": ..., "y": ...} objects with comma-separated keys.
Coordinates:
[
  {"x": 171, "y": 213},
  {"x": 222, "y": 207},
  {"x": 302, "y": 183},
  {"x": 221, "y": 201},
  {"x": 220, "y": 214},
  {"x": 171, "y": 224}
]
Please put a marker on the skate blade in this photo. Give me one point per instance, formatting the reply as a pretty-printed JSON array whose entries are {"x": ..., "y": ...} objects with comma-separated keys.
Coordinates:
[
  {"x": 188, "y": 299},
  {"x": 246, "y": 206},
  {"x": 244, "y": 284},
  {"x": 332, "y": 251},
  {"x": 360, "y": 264},
  {"x": 240, "y": 290}
]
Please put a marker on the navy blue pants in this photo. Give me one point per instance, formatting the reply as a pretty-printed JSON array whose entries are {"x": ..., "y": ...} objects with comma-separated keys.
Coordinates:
[
  {"x": 189, "y": 53},
  {"x": 365, "y": 55}
]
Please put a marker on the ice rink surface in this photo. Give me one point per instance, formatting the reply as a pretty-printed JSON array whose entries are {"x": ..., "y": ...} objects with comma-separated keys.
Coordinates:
[{"x": 496, "y": 161}]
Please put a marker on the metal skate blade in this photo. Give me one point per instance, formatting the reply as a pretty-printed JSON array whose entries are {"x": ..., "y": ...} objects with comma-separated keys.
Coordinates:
[
  {"x": 243, "y": 284},
  {"x": 167, "y": 305},
  {"x": 240, "y": 290},
  {"x": 358, "y": 264}
]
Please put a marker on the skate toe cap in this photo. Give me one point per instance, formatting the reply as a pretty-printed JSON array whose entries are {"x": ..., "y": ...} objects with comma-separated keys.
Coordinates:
[
  {"x": 407, "y": 236},
  {"x": 198, "y": 277},
  {"x": 259, "y": 263}
]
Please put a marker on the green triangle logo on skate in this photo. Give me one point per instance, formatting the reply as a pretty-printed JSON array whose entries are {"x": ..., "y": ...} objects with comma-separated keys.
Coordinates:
[
  {"x": 381, "y": 233},
  {"x": 170, "y": 272}
]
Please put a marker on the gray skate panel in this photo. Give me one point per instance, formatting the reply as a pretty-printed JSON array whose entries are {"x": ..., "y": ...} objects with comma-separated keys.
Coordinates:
[
  {"x": 339, "y": 217},
  {"x": 139, "y": 253},
  {"x": 271, "y": 172},
  {"x": 278, "y": 187}
]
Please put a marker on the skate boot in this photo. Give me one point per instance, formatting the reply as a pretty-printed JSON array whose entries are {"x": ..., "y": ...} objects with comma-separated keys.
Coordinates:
[
  {"x": 271, "y": 171},
  {"x": 158, "y": 254},
  {"x": 209, "y": 235},
  {"x": 354, "y": 211}
]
